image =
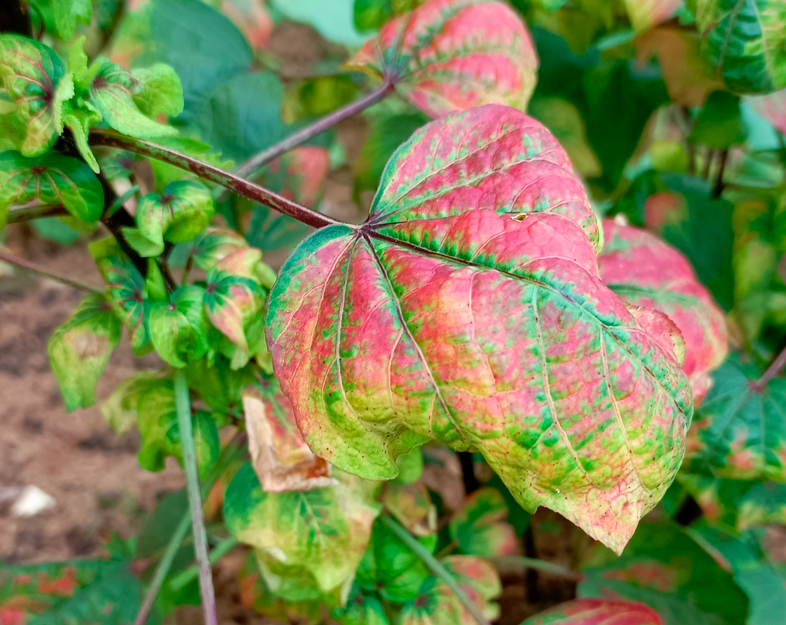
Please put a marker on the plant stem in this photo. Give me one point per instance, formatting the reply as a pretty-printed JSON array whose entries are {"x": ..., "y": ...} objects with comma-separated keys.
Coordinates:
[
  {"x": 163, "y": 569},
  {"x": 38, "y": 211},
  {"x": 709, "y": 155},
  {"x": 252, "y": 166},
  {"x": 436, "y": 567},
  {"x": 210, "y": 173},
  {"x": 716, "y": 192},
  {"x": 183, "y": 402},
  {"x": 181, "y": 579},
  {"x": 471, "y": 483},
  {"x": 540, "y": 565},
  {"x": 531, "y": 577},
  {"x": 50, "y": 273},
  {"x": 774, "y": 369}
]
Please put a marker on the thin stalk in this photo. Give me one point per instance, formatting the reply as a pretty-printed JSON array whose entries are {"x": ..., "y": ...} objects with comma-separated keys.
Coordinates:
[
  {"x": 709, "y": 156},
  {"x": 255, "y": 163},
  {"x": 774, "y": 369},
  {"x": 163, "y": 569},
  {"x": 40, "y": 270},
  {"x": 221, "y": 549},
  {"x": 38, "y": 211},
  {"x": 540, "y": 565},
  {"x": 436, "y": 567},
  {"x": 716, "y": 192},
  {"x": 183, "y": 402},
  {"x": 208, "y": 172},
  {"x": 471, "y": 483}
]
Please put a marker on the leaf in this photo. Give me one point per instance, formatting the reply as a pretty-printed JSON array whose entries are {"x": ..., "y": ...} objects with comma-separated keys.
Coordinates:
[
  {"x": 438, "y": 605},
  {"x": 232, "y": 299},
  {"x": 69, "y": 13},
  {"x": 170, "y": 332},
  {"x": 763, "y": 585},
  {"x": 480, "y": 527},
  {"x": 120, "y": 408},
  {"x": 382, "y": 335},
  {"x": 648, "y": 272},
  {"x": 206, "y": 249},
  {"x": 361, "y": 610},
  {"x": 644, "y": 14},
  {"x": 299, "y": 175},
  {"x": 76, "y": 591},
  {"x": 112, "y": 94},
  {"x": 282, "y": 460},
  {"x": 411, "y": 505},
  {"x": 301, "y": 538},
  {"x": 719, "y": 124},
  {"x": 596, "y": 612},
  {"x": 451, "y": 55},
  {"x": 390, "y": 566},
  {"x": 219, "y": 387},
  {"x": 179, "y": 214},
  {"x": 665, "y": 569},
  {"x": 128, "y": 296},
  {"x": 744, "y": 39},
  {"x": 160, "y": 91},
  {"x": 410, "y": 466},
  {"x": 35, "y": 78},
  {"x": 740, "y": 430},
  {"x": 80, "y": 349},
  {"x": 50, "y": 179},
  {"x": 79, "y": 122},
  {"x": 689, "y": 77},
  {"x": 160, "y": 433},
  {"x": 737, "y": 503}
]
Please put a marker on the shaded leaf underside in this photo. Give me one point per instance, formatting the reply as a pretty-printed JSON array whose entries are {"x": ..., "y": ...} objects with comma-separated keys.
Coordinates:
[{"x": 468, "y": 309}]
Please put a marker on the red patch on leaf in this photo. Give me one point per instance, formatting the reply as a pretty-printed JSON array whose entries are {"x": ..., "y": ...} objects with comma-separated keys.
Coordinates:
[{"x": 61, "y": 586}]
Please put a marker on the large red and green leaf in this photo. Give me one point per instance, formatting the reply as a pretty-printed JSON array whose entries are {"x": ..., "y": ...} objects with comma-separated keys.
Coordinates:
[
  {"x": 596, "y": 612},
  {"x": 35, "y": 78},
  {"x": 645, "y": 271},
  {"x": 468, "y": 309},
  {"x": 745, "y": 40},
  {"x": 78, "y": 591},
  {"x": 480, "y": 527},
  {"x": 449, "y": 55},
  {"x": 740, "y": 429},
  {"x": 282, "y": 460},
  {"x": 308, "y": 543},
  {"x": 80, "y": 349},
  {"x": 667, "y": 570}
]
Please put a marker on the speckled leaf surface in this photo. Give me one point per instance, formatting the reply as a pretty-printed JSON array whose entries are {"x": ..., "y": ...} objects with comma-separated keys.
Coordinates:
[
  {"x": 80, "y": 348},
  {"x": 451, "y": 55},
  {"x": 77, "y": 591},
  {"x": 596, "y": 612},
  {"x": 746, "y": 41},
  {"x": 282, "y": 460},
  {"x": 480, "y": 527},
  {"x": 740, "y": 430},
  {"x": 645, "y": 271},
  {"x": 35, "y": 78},
  {"x": 50, "y": 179},
  {"x": 468, "y": 309},
  {"x": 667, "y": 570},
  {"x": 312, "y": 539}
]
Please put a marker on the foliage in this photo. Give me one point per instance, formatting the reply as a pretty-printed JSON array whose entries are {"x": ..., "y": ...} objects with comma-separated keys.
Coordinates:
[{"x": 572, "y": 276}]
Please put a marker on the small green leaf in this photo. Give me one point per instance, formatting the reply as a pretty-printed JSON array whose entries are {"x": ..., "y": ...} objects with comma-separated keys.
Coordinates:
[
  {"x": 128, "y": 295},
  {"x": 50, "y": 179},
  {"x": 69, "y": 13},
  {"x": 219, "y": 387},
  {"x": 181, "y": 213},
  {"x": 411, "y": 505},
  {"x": 161, "y": 92},
  {"x": 480, "y": 527},
  {"x": 189, "y": 301},
  {"x": 157, "y": 420},
  {"x": 35, "y": 78},
  {"x": 410, "y": 466},
  {"x": 305, "y": 540},
  {"x": 80, "y": 349},
  {"x": 719, "y": 124},
  {"x": 79, "y": 122},
  {"x": 361, "y": 610},
  {"x": 207, "y": 248},
  {"x": 120, "y": 408},
  {"x": 170, "y": 333},
  {"x": 112, "y": 93}
]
